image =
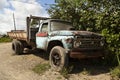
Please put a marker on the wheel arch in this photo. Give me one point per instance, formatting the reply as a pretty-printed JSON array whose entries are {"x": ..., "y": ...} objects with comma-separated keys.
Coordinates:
[{"x": 54, "y": 43}]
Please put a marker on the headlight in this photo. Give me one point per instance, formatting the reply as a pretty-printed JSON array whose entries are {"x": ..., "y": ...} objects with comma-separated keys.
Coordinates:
[
  {"x": 102, "y": 43},
  {"x": 77, "y": 44}
]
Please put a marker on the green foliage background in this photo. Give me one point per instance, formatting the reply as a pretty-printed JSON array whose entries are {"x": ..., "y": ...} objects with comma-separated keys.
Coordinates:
[
  {"x": 102, "y": 16},
  {"x": 5, "y": 39}
]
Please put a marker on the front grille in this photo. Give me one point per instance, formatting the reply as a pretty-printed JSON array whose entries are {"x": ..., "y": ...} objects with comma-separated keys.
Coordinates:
[{"x": 88, "y": 42}]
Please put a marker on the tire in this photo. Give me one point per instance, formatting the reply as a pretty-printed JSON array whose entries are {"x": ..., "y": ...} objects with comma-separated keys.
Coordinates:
[
  {"x": 58, "y": 58},
  {"x": 17, "y": 47},
  {"x": 13, "y": 46}
]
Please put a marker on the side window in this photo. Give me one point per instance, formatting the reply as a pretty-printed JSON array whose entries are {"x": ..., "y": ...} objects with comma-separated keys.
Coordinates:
[{"x": 44, "y": 27}]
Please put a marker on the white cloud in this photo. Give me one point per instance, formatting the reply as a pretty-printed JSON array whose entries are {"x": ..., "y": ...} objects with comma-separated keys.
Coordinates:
[
  {"x": 21, "y": 9},
  {"x": 3, "y": 3}
]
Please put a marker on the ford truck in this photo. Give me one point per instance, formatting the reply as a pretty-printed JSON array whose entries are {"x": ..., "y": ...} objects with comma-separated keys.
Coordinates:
[{"x": 59, "y": 39}]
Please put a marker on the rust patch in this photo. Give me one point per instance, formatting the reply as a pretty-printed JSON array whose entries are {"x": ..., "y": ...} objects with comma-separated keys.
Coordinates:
[{"x": 82, "y": 55}]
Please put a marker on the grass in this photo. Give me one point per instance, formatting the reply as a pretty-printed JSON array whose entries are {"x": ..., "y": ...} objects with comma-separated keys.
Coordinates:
[
  {"x": 65, "y": 72},
  {"x": 41, "y": 68},
  {"x": 85, "y": 72},
  {"x": 115, "y": 72},
  {"x": 5, "y": 39},
  {"x": 59, "y": 77}
]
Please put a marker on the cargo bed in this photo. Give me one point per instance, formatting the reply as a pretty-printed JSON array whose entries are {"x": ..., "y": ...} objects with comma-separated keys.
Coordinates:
[{"x": 18, "y": 34}]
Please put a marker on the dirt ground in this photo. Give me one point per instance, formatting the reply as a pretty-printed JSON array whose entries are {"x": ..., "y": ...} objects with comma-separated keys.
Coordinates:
[{"x": 19, "y": 67}]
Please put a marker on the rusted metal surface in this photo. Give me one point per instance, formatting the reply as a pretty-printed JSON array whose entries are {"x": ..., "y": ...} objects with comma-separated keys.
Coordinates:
[
  {"x": 84, "y": 38},
  {"x": 40, "y": 18},
  {"x": 86, "y": 54},
  {"x": 75, "y": 33},
  {"x": 18, "y": 35}
]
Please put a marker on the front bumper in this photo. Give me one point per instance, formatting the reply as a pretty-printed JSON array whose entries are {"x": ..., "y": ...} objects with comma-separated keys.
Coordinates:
[{"x": 81, "y": 54}]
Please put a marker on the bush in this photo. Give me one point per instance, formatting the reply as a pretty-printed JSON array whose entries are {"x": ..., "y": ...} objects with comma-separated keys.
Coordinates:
[
  {"x": 5, "y": 39},
  {"x": 116, "y": 72}
]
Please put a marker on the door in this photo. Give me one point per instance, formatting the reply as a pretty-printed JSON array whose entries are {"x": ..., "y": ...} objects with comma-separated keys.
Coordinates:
[{"x": 42, "y": 36}]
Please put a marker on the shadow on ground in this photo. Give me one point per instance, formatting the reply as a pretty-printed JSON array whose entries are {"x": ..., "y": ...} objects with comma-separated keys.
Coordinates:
[
  {"x": 93, "y": 66},
  {"x": 38, "y": 52}
]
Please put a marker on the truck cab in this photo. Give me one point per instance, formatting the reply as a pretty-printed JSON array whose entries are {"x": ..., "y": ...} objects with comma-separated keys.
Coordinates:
[{"x": 49, "y": 31}]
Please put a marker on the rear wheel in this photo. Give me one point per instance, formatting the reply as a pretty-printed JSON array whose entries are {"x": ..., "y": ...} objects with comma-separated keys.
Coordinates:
[
  {"x": 17, "y": 47},
  {"x": 58, "y": 58},
  {"x": 13, "y": 46}
]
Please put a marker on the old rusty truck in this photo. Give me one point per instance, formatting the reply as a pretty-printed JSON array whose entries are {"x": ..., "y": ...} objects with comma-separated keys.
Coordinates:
[{"x": 59, "y": 39}]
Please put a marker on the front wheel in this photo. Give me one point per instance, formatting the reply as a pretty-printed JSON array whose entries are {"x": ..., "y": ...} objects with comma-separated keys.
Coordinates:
[{"x": 58, "y": 58}]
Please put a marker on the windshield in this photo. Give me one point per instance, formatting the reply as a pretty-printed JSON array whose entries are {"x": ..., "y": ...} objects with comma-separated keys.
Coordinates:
[{"x": 60, "y": 25}]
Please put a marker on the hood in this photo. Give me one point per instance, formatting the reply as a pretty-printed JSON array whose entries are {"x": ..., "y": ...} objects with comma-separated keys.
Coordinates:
[{"x": 73, "y": 33}]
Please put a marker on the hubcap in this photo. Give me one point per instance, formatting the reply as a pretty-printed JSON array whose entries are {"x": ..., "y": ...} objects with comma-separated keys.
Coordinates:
[{"x": 56, "y": 59}]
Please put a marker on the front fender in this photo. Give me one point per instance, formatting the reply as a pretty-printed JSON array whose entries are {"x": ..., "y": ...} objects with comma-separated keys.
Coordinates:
[{"x": 67, "y": 41}]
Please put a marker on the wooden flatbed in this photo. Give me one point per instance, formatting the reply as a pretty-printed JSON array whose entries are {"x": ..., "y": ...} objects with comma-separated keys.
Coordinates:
[{"x": 18, "y": 34}]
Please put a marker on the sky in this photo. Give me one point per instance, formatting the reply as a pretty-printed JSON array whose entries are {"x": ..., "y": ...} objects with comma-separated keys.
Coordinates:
[{"x": 21, "y": 9}]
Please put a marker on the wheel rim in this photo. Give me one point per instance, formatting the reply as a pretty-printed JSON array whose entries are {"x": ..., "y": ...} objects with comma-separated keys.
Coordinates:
[{"x": 56, "y": 59}]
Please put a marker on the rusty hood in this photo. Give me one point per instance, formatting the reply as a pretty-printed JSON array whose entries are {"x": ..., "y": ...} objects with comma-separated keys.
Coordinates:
[{"x": 73, "y": 33}]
